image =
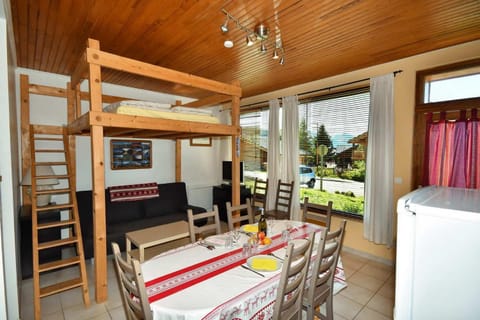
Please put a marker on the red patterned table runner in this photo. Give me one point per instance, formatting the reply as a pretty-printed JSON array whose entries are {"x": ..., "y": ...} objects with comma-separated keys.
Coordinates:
[{"x": 168, "y": 284}]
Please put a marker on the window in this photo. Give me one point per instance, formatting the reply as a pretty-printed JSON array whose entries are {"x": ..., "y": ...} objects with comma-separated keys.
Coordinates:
[
  {"x": 446, "y": 94},
  {"x": 447, "y": 86},
  {"x": 333, "y": 133}
]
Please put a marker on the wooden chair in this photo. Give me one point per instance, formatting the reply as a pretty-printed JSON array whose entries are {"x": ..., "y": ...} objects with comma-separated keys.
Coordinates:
[
  {"x": 288, "y": 304},
  {"x": 283, "y": 201},
  {"x": 232, "y": 220},
  {"x": 320, "y": 289},
  {"x": 317, "y": 212},
  {"x": 132, "y": 286},
  {"x": 259, "y": 195},
  {"x": 212, "y": 223}
]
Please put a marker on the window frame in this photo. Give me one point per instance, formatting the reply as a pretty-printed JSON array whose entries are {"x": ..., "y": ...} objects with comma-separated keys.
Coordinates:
[{"x": 452, "y": 107}]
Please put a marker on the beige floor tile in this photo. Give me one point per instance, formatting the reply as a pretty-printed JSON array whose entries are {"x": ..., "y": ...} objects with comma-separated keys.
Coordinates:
[
  {"x": 369, "y": 314},
  {"x": 71, "y": 298},
  {"x": 50, "y": 305},
  {"x": 376, "y": 271},
  {"x": 117, "y": 313},
  {"x": 345, "y": 307},
  {"x": 357, "y": 293},
  {"x": 54, "y": 316},
  {"x": 366, "y": 281},
  {"x": 79, "y": 312},
  {"x": 381, "y": 304},
  {"x": 388, "y": 290},
  {"x": 336, "y": 316},
  {"x": 353, "y": 262}
]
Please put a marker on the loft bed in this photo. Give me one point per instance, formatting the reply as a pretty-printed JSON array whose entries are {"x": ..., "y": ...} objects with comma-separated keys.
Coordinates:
[{"x": 99, "y": 123}]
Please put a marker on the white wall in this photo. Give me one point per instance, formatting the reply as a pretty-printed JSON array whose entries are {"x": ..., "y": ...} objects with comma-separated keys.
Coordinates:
[
  {"x": 9, "y": 193},
  {"x": 200, "y": 165}
]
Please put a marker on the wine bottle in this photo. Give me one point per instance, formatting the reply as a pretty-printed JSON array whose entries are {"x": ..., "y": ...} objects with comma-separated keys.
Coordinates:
[{"x": 262, "y": 223}]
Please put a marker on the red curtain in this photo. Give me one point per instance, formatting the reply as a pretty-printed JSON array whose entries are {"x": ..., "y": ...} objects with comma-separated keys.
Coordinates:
[{"x": 452, "y": 151}]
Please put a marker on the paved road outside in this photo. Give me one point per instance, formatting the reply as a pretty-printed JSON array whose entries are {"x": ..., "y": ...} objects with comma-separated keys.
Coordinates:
[{"x": 329, "y": 184}]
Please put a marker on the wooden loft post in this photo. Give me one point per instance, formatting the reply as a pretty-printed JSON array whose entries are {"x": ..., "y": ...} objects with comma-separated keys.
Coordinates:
[
  {"x": 98, "y": 181},
  {"x": 178, "y": 154},
  {"x": 235, "y": 115},
  {"x": 25, "y": 128},
  {"x": 178, "y": 160},
  {"x": 71, "y": 115}
]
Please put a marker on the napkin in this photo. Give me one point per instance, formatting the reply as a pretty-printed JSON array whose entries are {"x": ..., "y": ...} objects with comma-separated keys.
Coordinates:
[
  {"x": 250, "y": 228},
  {"x": 267, "y": 264}
]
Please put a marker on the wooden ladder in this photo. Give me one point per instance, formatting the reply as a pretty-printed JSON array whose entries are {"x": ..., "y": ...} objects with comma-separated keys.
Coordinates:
[{"x": 49, "y": 149}]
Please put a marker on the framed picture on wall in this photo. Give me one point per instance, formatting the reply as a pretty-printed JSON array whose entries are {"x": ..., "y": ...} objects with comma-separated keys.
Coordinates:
[
  {"x": 201, "y": 142},
  {"x": 130, "y": 154}
]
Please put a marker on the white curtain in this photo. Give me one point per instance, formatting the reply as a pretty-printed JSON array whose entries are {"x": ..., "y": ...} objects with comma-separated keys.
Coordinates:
[
  {"x": 289, "y": 159},
  {"x": 378, "y": 217},
  {"x": 273, "y": 154}
]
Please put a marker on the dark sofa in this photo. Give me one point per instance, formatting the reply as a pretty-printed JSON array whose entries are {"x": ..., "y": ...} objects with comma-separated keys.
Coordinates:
[{"x": 171, "y": 205}]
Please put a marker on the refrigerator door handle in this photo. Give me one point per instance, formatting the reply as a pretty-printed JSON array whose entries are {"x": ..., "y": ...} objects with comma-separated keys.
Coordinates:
[{"x": 407, "y": 208}]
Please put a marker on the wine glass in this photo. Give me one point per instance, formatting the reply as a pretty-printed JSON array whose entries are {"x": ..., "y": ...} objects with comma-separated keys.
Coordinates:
[
  {"x": 270, "y": 224},
  {"x": 236, "y": 235}
]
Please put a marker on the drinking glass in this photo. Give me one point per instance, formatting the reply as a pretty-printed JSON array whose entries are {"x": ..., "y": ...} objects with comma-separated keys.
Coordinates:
[
  {"x": 229, "y": 241},
  {"x": 236, "y": 235},
  {"x": 270, "y": 224}
]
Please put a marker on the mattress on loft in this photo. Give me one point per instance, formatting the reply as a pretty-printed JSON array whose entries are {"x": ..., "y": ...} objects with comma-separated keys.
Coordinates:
[{"x": 161, "y": 110}]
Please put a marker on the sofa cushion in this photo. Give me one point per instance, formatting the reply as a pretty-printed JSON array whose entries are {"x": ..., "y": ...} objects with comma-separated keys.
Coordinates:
[
  {"x": 172, "y": 198},
  {"x": 123, "y": 211}
]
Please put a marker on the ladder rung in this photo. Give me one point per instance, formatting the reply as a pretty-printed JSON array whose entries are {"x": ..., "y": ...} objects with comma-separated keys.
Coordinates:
[
  {"x": 36, "y": 138},
  {"x": 58, "y": 264},
  {"x": 55, "y": 224},
  {"x": 55, "y": 207},
  {"x": 53, "y": 191},
  {"x": 51, "y": 163},
  {"x": 61, "y": 286},
  {"x": 57, "y": 243},
  {"x": 50, "y": 150},
  {"x": 54, "y": 176}
]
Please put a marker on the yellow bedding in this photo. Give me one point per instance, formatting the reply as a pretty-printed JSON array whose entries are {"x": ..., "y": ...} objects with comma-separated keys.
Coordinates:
[{"x": 134, "y": 111}]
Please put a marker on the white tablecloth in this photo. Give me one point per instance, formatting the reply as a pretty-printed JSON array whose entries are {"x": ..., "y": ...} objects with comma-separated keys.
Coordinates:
[{"x": 234, "y": 294}]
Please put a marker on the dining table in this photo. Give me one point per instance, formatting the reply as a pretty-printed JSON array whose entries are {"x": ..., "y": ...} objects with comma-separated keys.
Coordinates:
[{"x": 212, "y": 279}]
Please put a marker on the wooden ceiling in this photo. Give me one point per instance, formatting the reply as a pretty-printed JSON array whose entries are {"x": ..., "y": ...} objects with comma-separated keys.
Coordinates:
[{"x": 321, "y": 38}]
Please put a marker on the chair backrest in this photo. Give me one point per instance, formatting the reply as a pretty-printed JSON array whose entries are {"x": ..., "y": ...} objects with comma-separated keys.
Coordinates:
[
  {"x": 317, "y": 212},
  {"x": 212, "y": 223},
  {"x": 132, "y": 286},
  {"x": 288, "y": 304},
  {"x": 283, "y": 201},
  {"x": 323, "y": 268},
  {"x": 259, "y": 195},
  {"x": 232, "y": 219}
]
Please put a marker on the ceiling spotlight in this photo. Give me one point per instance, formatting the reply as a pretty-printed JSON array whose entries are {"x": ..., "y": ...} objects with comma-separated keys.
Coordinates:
[
  {"x": 263, "y": 47},
  {"x": 250, "y": 40},
  {"x": 261, "y": 31},
  {"x": 275, "y": 54},
  {"x": 258, "y": 34},
  {"x": 224, "y": 26}
]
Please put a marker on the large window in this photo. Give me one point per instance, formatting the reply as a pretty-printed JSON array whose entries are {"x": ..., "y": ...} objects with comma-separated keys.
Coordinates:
[{"x": 333, "y": 133}]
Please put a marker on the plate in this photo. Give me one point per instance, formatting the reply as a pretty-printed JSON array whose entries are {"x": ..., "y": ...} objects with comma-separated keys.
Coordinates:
[
  {"x": 252, "y": 228},
  {"x": 264, "y": 263},
  {"x": 217, "y": 240}
]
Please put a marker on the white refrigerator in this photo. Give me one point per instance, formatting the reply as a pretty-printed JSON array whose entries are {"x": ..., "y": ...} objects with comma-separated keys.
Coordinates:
[{"x": 438, "y": 254}]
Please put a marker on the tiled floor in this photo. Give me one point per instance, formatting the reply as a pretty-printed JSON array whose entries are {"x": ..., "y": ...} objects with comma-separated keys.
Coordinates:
[{"x": 369, "y": 295}]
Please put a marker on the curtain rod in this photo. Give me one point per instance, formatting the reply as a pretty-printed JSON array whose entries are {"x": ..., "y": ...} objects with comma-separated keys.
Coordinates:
[{"x": 322, "y": 89}]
